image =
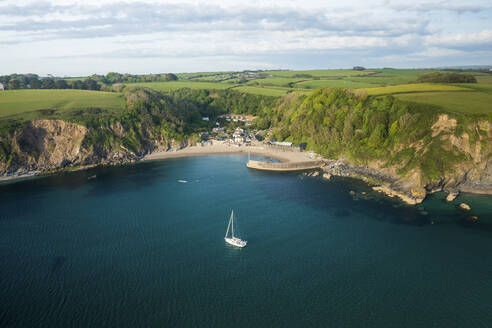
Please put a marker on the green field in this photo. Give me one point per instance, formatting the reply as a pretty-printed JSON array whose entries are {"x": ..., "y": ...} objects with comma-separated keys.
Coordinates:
[
  {"x": 279, "y": 81},
  {"x": 19, "y": 101},
  {"x": 275, "y": 92},
  {"x": 346, "y": 83},
  {"x": 412, "y": 88},
  {"x": 375, "y": 82},
  {"x": 320, "y": 73},
  {"x": 462, "y": 101},
  {"x": 175, "y": 85}
]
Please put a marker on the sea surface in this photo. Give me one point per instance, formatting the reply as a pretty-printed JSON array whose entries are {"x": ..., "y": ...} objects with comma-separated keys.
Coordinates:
[{"x": 130, "y": 246}]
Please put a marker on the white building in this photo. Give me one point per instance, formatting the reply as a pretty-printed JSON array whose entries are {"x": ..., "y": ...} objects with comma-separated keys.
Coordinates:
[
  {"x": 218, "y": 130},
  {"x": 2, "y": 87},
  {"x": 205, "y": 118},
  {"x": 238, "y": 135}
]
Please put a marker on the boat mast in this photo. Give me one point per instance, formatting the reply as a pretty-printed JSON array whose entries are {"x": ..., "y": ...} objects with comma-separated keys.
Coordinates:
[
  {"x": 232, "y": 220},
  {"x": 228, "y": 226}
]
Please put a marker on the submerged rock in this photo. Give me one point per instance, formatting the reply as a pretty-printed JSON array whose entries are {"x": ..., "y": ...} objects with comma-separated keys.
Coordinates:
[{"x": 465, "y": 206}]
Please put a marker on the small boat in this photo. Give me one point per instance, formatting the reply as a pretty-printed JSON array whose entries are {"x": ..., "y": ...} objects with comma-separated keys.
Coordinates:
[
  {"x": 183, "y": 181},
  {"x": 234, "y": 241}
]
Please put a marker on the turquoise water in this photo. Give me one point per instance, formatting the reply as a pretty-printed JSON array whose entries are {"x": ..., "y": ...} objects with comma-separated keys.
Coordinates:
[{"x": 135, "y": 248}]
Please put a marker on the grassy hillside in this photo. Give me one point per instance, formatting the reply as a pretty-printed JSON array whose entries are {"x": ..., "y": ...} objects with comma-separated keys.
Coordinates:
[
  {"x": 346, "y": 83},
  {"x": 20, "y": 101},
  {"x": 473, "y": 98},
  {"x": 410, "y": 88},
  {"x": 320, "y": 73},
  {"x": 463, "y": 101},
  {"x": 176, "y": 85},
  {"x": 265, "y": 91}
]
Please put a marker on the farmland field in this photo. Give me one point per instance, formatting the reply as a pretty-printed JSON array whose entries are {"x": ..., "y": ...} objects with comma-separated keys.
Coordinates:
[
  {"x": 279, "y": 81},
  {"x": 175, "y": 85},
  {"x": 409, "y": 88},
  {"x": 320, "y": 73},
  {"x": 19, "y": 101},
  {"x": 464, "y": 101},
  {"x": 375, "y": 82},
  {"x": 275, "y": 92},
  {"x": 345, "y": 83}
]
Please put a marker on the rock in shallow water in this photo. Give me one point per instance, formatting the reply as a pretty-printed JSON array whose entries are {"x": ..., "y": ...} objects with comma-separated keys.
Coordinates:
[{"x": 452, "y": 196}]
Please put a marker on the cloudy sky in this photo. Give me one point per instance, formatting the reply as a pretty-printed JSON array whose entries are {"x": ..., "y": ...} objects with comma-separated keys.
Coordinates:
[{"x": 148, "y": 36}]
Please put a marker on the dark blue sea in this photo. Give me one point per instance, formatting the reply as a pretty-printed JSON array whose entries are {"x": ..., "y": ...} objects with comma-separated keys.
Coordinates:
[{"x": 130, "y": 246}]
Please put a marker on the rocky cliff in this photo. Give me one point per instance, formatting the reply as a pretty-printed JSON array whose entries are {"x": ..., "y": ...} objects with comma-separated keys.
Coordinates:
[
  {"x": 49, "y": 145},
  {"x": 151, "y": 122},
  {"x": 403, "y": 149}
]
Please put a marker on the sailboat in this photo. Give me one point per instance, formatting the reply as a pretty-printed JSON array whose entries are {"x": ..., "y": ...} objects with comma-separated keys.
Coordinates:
[{"x": 234, "y": 241}]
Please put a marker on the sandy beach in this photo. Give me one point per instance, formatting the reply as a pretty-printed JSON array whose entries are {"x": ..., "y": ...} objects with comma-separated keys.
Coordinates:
[
  {"x": 217, "y": 148},
  {"x": 222, "y": 148}
]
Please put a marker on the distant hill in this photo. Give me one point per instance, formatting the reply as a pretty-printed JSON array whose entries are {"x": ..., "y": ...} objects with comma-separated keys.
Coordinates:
[{"x": 466, "y": 67}]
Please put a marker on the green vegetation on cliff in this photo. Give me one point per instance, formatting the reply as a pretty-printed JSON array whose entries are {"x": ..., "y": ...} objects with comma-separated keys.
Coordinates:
[{"x": 340, "y": 123}]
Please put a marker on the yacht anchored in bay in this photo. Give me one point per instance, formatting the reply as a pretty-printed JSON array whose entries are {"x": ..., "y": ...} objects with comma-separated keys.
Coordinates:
[{"x": 234, "y": 241}]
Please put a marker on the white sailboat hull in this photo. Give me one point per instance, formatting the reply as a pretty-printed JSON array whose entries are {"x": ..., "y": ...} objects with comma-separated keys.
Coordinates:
[{"x": 236, "y": 242}]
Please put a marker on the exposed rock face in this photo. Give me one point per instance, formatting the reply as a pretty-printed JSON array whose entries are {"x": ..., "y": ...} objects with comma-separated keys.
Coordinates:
[
  {"x": 406, "y": 189},
  {"x": 471, "y": 175},
  {"x": 443, "y": 124},
  {"x": 46, "y": 145},
  {"x": 465, "y": 206}
]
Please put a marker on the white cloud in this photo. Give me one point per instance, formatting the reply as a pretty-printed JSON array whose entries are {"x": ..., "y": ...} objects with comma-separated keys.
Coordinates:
[{"x": 82, "y": 37}]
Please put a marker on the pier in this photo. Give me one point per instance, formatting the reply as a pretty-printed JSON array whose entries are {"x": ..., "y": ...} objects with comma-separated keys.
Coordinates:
[{"x": 284, "y": 166}]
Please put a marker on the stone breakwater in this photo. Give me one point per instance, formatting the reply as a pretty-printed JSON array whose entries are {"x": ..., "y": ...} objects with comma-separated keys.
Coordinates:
[{"x": 285, "y": 167}]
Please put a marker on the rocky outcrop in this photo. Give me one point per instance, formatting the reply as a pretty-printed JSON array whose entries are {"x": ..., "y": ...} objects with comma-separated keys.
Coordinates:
[
  {"x": 471, "y": 175},
  {"x": 44, "y": 145},
  {"x": 49, "y": 145},
  {"x": 382, "y": 181},
  {"x": 452, "y": 196}
]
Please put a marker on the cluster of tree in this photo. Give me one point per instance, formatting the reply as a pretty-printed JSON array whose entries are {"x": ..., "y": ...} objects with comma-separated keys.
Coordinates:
[
  {"x": 358, "y": 68},
  {"x": 32, "y": 81},
  {"x": 436, "y": 77},
  {"x": 338, "y": 123},
  {"x": 213, "y": 103},
  {"x": 302, "y": 76},
  {"x": 114, "y": 77},
  {"x": 18, "y": 81}
]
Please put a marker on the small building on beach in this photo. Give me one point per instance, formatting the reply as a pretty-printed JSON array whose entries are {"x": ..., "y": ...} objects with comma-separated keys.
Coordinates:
[{"x": 284, "y": 145}]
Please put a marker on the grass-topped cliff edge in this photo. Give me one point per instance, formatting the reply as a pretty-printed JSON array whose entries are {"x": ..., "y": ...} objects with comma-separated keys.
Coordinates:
[{"x": 424, "y": 147}]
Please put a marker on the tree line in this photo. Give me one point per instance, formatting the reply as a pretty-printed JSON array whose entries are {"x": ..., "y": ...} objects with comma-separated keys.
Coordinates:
[
  {"x": 114, "y": 77},
  {"x": 33, "y": 81},
  {"x": 436, "y": 77},
  {"x": 94, "y": 82}
]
